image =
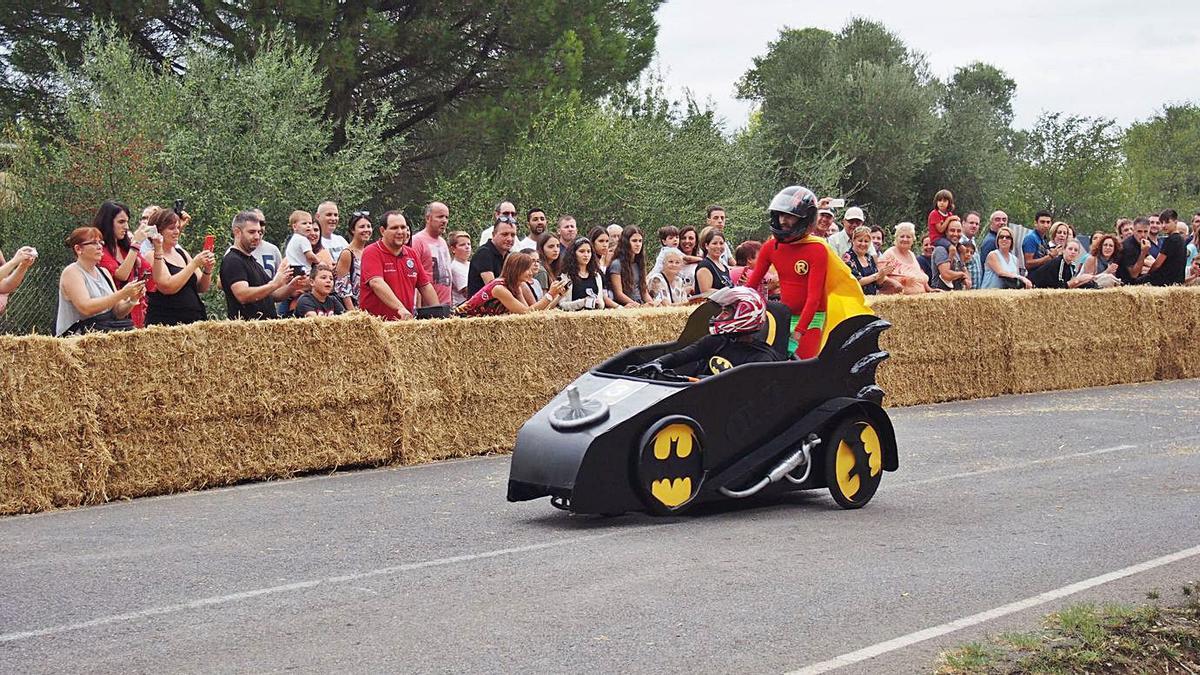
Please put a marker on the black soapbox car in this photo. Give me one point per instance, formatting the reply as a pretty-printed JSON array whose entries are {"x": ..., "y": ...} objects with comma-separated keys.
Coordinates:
[{"x": 613, "y": 442}]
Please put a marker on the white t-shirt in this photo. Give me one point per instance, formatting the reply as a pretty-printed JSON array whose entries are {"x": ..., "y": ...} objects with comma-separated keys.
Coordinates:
[
  {"x": 267, "y": 255},
  {"x": 336, "y": 243},
  {"x": 458, "y": 276},
  {"x": 526, "y": 244},
  {"x": 298, "y": 245},
  {"x": 486, "y": 235}
]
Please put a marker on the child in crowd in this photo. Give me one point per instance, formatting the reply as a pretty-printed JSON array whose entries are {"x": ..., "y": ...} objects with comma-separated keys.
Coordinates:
[
  {"x": 320, "y": 299},
  {"x": 299, "y": 249},
  {"x": 460, "y": 265},
  {"x": 943, "y": 208}
]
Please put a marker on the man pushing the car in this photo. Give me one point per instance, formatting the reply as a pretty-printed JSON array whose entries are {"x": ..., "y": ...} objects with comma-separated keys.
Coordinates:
[{"x": 814, "y": 283}]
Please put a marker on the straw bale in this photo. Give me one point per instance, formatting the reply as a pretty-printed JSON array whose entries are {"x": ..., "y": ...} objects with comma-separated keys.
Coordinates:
[
  {"x": 1177, "y": 315},
  {"x": 469, "y": 384},
  {"x": 49, "y": 456},
  {"x": 222, "y": 402},
  {"x": 945, "y": 346},
  {"x": 1068, "y": 339}
]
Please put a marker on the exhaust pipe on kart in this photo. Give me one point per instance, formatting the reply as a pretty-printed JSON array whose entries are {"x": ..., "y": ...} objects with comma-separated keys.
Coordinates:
[{"x": 803, "y": 456}]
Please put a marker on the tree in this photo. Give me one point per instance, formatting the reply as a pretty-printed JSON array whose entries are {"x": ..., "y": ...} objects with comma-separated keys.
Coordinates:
[
  {"x": 637, "y": 160},
  {"x": 137, "y": 135},
  {"x": 1069, "y": 165},
  {"x": 971, "y": 145},
  {"x": 452, "y": 73},
  {"x": 1163, "y": 159},
  {"x": 861, "y": 93}
]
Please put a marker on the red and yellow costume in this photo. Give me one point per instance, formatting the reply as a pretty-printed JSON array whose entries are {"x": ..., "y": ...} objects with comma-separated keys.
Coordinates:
[{"x": 816, "y": 286}]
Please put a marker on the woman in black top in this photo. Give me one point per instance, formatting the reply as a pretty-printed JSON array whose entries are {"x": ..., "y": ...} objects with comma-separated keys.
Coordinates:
[
  {"x": 711, "y": 273},
  {"x": 179, "y": 278},
  {"x": 580, "y": 266},
  {"x": 871, "y": 274}
]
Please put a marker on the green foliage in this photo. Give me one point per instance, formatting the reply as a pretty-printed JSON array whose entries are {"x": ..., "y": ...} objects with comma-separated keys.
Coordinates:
[
  {"x": 970, "y": 154},
  {"x": 227, "y": 136},
  {"x": 459, "y": 78},
  {"x": 1163, "y": 159},
  {"x": 637, "y": 160},
  {"x": 861, "y": 93},
  {"x": 1071, "y": 166}
]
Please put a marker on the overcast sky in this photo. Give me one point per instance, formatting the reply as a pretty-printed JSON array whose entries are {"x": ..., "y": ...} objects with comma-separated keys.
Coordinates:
[{"x": 1121, "y": 60}]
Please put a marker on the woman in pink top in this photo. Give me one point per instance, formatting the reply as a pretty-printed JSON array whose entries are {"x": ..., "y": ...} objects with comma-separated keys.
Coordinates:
[{"x": 905, "y": 269}]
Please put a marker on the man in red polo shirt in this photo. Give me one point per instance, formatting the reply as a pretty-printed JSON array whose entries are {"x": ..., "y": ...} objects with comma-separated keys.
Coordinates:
[{"x": 391, "y": 275}]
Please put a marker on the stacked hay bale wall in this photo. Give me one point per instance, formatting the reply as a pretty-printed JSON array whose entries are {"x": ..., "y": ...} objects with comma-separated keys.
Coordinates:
[{"x": 87, "y": 420}]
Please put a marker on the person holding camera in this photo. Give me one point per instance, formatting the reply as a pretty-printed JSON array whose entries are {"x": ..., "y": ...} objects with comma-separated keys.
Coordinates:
[
  {"x": 179, "y": 279},
  {"x": 502, "y": 295},
  {"x": 12, "y": 272},
  {"x": 250, "y": 293},
  {"x": 121, "y": 250},
  {"x": 88, "y": 300}
]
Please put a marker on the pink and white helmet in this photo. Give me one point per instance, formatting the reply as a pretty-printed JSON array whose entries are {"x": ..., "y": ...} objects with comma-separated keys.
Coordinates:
[{"x": 743, "y": 311}]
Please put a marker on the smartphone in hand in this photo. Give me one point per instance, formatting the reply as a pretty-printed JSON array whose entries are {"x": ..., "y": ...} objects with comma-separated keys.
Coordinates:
[{"x": 210, "y": 242}]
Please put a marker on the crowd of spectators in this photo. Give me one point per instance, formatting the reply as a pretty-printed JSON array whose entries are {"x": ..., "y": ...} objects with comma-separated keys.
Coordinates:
[{"x": 126, "y": 275}]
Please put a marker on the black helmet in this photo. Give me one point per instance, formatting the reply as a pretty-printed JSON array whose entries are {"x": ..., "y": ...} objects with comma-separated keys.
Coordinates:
[{"x": 798, "y": 201}]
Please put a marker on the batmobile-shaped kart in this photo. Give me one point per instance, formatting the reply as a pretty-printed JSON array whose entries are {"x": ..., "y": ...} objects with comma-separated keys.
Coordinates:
[{"x": 612, "y": 442}]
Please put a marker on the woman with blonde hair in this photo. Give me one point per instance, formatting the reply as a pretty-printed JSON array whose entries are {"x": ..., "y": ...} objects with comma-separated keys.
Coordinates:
[
  {"x": 906, "y": 270},
  {"x": 1000, "y": 268}
]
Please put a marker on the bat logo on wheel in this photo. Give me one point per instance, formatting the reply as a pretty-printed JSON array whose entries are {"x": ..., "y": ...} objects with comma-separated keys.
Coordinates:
[
  {"x": 671, "y": 466},
  {"x": 859, "y": 459}
]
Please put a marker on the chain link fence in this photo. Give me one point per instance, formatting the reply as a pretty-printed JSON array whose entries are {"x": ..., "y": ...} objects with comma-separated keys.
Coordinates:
[{"x": 32, "y": 308}]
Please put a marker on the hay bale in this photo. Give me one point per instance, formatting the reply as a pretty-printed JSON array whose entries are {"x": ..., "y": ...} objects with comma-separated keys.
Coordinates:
[
  {"x": 945, "y": 346},
  {"x": 49, "y": 454},
  {"x": 216, "y": 403},
  {"x": 1176, "y": 313},
  {"x": 1069, "y": 339},
  {"x": 469, "y": 384}
]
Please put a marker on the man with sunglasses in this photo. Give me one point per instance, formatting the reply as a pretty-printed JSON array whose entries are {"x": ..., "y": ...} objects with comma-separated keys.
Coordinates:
[{"x": 505, "y": 208}]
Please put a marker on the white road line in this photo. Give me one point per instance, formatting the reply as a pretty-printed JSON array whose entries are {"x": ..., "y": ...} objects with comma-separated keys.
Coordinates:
[
  {"x": 302, "y": 585},
  {"x": 1017, "y": 465},
  {"x": 982, "y": 617}
]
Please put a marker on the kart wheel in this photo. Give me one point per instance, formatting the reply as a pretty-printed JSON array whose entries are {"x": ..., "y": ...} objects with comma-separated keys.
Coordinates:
[
  {"x": 853, "y": 462},
  {"x": 670, "y": 465}
]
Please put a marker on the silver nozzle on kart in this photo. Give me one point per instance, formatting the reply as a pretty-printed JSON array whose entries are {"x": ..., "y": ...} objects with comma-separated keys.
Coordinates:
[
  {"x": 578, "y": 412},
  {"x": 801, "y": 457}
]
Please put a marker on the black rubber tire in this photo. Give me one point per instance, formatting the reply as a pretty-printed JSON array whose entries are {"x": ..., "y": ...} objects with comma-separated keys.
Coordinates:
[{"x": 853, "y": 481}]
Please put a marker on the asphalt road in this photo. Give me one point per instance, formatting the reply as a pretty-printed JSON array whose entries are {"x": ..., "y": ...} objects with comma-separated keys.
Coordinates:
[{"x": 428, "y": 569}]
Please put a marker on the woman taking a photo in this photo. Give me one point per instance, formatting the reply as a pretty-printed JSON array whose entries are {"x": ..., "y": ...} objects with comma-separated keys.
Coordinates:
[
  {"x": 499, "y": 296},
  {"x": 871, "y": 274},
  {"x": 711, "y": 273},
  {"x": 906, "y": 269},
  {"x": 88, "y": 300},
  {"x": 1000, "y": 268},
  {"x": 348, "y": 273},
  {"x": 587, "y": 289},
  {"x": 627, "y": 271},
  {"x": 179, "y": 279},
  {"x": 121, "y": 257}
]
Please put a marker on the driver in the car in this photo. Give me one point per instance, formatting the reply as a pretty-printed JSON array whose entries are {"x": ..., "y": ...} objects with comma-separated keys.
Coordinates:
[{"x": 733, "y": 339}]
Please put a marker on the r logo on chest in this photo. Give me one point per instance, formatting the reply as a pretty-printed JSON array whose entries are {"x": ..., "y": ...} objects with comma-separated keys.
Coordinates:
[{"x": 801, "y": 267}]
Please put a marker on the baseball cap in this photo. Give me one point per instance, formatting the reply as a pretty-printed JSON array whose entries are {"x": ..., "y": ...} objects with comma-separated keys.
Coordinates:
[
  {"x": 827, "y": 211},
  {"x": 855, "y": 213}
]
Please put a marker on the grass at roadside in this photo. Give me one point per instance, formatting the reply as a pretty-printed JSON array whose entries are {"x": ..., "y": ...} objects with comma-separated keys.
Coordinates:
[{"x": 1162, "y": 636}]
